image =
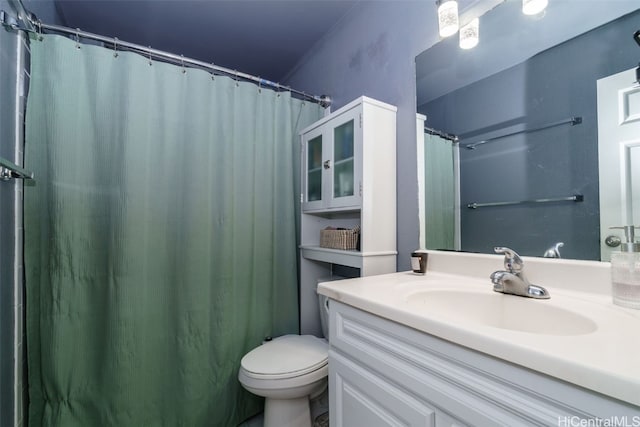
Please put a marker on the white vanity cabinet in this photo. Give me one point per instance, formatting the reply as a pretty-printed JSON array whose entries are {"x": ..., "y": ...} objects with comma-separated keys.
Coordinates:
[
  {"x": 382, "y": 373},
  {"x": 348, "y": 180},
  {"x": 360, "y": 397}
]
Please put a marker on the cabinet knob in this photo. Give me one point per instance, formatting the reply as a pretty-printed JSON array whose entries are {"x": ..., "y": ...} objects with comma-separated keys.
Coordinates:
[{"x": 327, "y": 164}]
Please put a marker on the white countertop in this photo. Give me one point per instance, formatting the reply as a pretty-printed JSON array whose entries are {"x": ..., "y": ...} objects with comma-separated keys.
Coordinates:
[{"x": 606, "y": 360}]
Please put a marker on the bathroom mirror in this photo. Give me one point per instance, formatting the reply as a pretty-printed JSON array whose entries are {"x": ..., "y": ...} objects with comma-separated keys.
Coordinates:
[{"x": 523, "y": 104}]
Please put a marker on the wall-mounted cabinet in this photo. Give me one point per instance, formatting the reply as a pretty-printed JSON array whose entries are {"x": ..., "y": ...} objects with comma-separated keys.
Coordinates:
[
  {"x": 332, "y": 173},
  {"x": 348, "y": 168}
]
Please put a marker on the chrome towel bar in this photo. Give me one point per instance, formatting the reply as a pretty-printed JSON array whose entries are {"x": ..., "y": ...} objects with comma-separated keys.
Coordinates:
[
  {"x": 9, "y": 170},
  {"x": 574, "y": 198},
  {"x": 570, "y": 121}
]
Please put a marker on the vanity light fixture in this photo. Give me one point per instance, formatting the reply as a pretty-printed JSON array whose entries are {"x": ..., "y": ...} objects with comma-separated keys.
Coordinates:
[
  {"x": 448, "y": 23},
  {"x": 533, "y": 7},
  {"x": 469, "y": 34}
]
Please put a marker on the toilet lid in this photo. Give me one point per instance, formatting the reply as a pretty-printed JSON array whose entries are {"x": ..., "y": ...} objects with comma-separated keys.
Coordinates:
[{"x": 286, "y": 356}]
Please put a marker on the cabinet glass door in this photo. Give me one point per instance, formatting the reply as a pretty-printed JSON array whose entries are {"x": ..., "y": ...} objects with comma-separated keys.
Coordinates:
[
  {"x": 343, "y": 175},
  {"x": 314, "y": 169}
]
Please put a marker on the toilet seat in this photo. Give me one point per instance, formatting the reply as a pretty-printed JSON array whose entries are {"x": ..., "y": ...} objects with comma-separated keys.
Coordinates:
[{"x": 288, "y": 356}]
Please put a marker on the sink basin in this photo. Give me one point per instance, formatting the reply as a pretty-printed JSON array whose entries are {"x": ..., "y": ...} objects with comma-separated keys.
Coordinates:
[{"x": 501, "y": 311}]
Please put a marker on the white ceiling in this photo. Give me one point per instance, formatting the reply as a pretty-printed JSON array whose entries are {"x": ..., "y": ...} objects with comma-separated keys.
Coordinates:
[{"x": 265, "y": 38}]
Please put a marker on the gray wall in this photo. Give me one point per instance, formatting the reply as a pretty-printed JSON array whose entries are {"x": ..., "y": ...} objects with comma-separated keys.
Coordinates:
[
  {"x": 556, "y": 84},
  {"x": 12, "y": 344},
  {"x": 508, "y": 37},
  {"x": 47, "y": 11},
  {"x": 371, "y": 52}
]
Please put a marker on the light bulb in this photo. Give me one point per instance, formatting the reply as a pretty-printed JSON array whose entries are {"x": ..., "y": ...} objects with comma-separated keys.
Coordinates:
[
  {"x": 469, "y": 34},
  {"x": 533, "y": 7},
  {"x": 448, "y": 18}
]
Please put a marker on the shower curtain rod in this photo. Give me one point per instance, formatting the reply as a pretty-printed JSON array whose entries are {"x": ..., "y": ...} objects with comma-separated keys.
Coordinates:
[
  {"x": 36, "y": 26},
  {"x": 441, "y": 134}
]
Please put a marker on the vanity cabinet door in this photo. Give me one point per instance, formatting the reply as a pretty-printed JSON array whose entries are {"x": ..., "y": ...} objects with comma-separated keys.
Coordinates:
[{"x": 360, "y": 398}]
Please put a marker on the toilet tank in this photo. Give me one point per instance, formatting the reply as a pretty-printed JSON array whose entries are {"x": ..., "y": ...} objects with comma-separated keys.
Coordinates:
[{"x": 323, "y": 305}]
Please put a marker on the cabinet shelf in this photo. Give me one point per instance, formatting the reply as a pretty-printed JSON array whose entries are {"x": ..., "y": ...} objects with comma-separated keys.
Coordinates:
[
  {"x": 338, "y": 256},
  {"x": 343, "y": 161},
  {"x": 334, "y": 213}
]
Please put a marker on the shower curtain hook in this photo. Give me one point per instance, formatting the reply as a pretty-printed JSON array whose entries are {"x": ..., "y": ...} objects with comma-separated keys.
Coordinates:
[
  {"x": 278, "y": 87},
  {"x": 150, "y": 62},
  {"x": 182, "y": 60},
  {"x": 212, "y": 73},
  {"x": 115, "y": 47},
  {"x": 39, "y": 23},
  {"x": 259, "y": 84},
  {"x": 236, "y": 74},
  {"x": 304, "y": 98},
  {"x": 78, "y": 38}
]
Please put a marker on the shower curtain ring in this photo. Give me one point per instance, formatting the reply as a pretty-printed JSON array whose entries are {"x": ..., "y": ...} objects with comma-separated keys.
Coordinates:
[
  {"x": 78, "y": 38},
  {"x": 259, "y": 85},
  {"x": 150, "y": 62},
  {"x": 115, "y": 47},
  {"x": 182, "y": 61},
  {"x": 40, "y": 38},
  {"x": 236, "y": 74},
  {"x": 213, "y": 76}
]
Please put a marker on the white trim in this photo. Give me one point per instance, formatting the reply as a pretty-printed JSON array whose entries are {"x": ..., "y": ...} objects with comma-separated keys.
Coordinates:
[
  {"x": 457, "y": 237},
  {"x": 420, "y": 119},
  {"x": 626, "y": 187},
  {"x": 349, "y": 106},
  {"x": 623, "y": 105}
]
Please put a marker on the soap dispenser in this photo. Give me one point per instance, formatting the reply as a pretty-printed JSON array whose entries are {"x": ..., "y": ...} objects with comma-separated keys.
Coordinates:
[{"x": 625, "y": 271}]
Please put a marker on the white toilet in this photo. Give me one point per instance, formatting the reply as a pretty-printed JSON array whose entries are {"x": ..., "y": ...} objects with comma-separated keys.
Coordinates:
[{"x": 287, "y": 372}]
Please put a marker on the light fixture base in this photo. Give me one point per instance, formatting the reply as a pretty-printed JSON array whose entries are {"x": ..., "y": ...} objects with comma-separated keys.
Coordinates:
[{"x": 534, "y": 7}]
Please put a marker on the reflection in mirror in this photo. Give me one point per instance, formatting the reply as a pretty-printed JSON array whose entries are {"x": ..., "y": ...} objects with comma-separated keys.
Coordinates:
[
  {"x": 527, "y": 127},
  {"x": 439, "y": 178}
]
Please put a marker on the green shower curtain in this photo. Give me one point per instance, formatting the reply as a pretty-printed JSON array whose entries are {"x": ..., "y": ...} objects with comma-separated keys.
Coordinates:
[
  {"x": 160, "y": 239},
  {"x": 439, "y": 192}
]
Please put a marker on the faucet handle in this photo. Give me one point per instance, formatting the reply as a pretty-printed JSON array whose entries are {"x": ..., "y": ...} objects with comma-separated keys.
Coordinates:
[
  {"x": 553, "y": 251},
  {"x": 512, "y": 261}
]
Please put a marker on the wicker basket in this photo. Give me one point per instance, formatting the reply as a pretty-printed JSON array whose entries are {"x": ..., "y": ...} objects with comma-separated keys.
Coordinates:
[{"x": 339, "y": 239}]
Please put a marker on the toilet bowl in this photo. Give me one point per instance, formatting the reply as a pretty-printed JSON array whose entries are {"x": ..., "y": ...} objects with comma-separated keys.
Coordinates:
[{"x": 286, "y": 372}]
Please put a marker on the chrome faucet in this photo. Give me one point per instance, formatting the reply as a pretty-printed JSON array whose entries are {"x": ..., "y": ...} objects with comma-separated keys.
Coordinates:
[
  {"x": 554, "y": 251},
  {"x": 512, "y": 280}
]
